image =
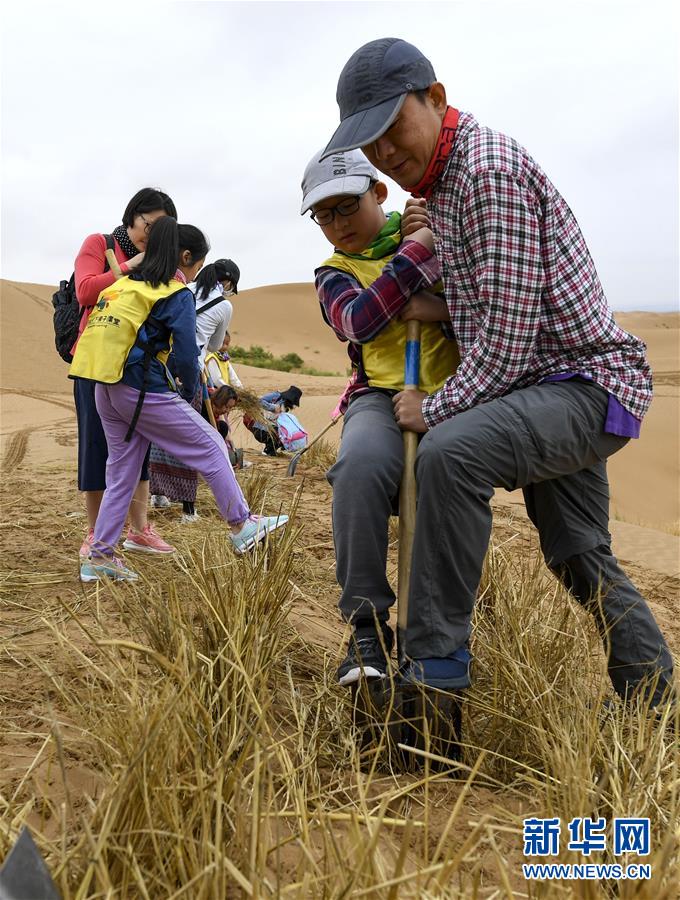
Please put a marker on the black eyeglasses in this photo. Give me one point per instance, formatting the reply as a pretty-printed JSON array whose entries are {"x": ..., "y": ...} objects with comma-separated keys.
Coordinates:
[
  {"x": 346, "y": 207},
  {"x": 147, "y": 224}
]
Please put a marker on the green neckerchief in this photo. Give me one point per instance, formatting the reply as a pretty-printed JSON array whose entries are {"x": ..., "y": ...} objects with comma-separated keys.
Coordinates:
[{"x": 385, "y": 242}]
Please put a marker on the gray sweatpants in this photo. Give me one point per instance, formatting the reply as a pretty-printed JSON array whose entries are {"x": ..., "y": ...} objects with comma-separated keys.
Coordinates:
[{"x": 547, "y": 440}]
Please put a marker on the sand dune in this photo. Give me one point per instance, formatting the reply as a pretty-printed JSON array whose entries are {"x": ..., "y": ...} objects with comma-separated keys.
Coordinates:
[{"x": 285, "y": 318}]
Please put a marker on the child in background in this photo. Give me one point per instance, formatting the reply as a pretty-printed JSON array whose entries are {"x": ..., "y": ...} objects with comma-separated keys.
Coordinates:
[
  {"x": 219, "y": 368},
  {"x": 214, "y": 285},
  {"x": 223, "y": 400},
  {"x": 124, "y": 349},
  {"x": 371, "y": 284},
  {"x": 273, "y": 404}
]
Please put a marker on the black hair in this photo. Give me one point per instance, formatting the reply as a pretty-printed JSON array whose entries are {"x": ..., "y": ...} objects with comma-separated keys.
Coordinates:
[
  {"x": 208, "y": 277},
  {"x": 167, "y": 241},
  {"x": 145, "y": 201},
  {"x": 223, "y": 395},
  {"x": 421, "y": 95}
]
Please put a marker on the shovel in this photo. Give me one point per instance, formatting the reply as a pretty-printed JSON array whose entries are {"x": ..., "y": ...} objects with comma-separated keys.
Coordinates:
[
  {"x": 429, "y": 720},
  {"x": 24, "y": 875},
  {"x": 407, "y": 490},
  {"x": 399, "y": 716},
  {"x": 292, "y": 466}
]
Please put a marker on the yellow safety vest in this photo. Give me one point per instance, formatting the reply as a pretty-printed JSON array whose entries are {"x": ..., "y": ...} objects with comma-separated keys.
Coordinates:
[
  {"x": 111, "y": 330},
  {"x": 222, "y": 364},
  {"x": 383, "y": 356}
]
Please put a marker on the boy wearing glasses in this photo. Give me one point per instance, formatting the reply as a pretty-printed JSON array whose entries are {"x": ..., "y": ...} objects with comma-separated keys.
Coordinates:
[{"x": 367, "y": 289}]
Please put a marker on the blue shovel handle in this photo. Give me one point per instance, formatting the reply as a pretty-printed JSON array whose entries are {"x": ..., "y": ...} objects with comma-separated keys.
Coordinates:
[{"x": 407, "y": 491}]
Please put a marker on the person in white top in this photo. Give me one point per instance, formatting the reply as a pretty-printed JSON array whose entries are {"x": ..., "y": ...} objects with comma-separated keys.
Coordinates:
[{"x": 215, "y": 284}]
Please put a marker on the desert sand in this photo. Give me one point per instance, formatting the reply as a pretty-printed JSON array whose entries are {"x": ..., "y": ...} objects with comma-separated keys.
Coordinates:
[
  {"x": 42, "y": 524},
  {"x": 285, "y": 318},
  {"x": 37, "y": 422}
]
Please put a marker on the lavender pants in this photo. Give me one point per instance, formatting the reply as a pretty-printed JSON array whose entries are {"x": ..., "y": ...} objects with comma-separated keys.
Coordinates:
[{"x": 176, "y": 427}]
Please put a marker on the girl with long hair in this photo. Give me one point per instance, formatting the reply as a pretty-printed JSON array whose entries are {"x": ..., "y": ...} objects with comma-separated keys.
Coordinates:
[{"x": 124, "y": 349}]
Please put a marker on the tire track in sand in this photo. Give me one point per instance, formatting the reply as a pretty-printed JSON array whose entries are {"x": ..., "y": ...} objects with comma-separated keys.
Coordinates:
[
  {"x": 43, "y": 398},
  {"x": 41, "y": 301},
  {"x": 16, "y": 449}
]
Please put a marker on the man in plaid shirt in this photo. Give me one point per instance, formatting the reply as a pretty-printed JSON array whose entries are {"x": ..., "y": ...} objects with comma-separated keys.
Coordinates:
[{"x": 548, "y": 386}]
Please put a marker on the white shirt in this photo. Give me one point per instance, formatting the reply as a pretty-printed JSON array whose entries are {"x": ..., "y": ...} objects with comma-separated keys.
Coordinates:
[
  {"x": 216, "y": 376},
  {"x": 211, "y": 325}
]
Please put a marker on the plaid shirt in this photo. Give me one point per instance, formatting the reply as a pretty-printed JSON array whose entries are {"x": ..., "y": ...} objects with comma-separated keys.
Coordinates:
[
  {"x": 358, "y": 314},
  {"x": 523, "y": 294}
]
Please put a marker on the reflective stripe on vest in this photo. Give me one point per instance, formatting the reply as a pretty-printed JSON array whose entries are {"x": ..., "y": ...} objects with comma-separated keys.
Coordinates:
[
  {"x": 222, "y": 365},
  {"x": 113, "y": 326},
  {"x": 383, "y": 356}
]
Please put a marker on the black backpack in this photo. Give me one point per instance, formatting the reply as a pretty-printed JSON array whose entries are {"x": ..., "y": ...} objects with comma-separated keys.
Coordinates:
[{"x": 68, "y": 312}]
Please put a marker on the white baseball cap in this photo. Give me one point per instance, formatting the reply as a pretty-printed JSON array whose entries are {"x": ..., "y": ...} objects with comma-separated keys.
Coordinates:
[{"x": 346, "y": 172}]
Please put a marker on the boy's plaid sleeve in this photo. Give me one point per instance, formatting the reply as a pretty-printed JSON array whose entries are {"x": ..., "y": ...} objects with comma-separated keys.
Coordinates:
[
  {"x": 502, "y": 243},
  {"x": 357, "y": 314}
]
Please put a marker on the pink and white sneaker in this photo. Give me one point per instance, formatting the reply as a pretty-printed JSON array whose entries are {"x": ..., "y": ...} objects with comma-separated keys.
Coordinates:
[
  {"x": 147, "y": 541},
  {"x": 87, "y": 543}
]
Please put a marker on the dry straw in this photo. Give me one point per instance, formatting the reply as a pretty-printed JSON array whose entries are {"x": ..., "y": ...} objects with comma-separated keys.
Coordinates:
[{"x": 227, "y": 763}]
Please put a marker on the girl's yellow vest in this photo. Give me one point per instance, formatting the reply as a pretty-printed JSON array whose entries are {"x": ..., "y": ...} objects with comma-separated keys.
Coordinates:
[
  {"x": 383, "y": 356},
  {"x": 111, "y": 331},
  {"x": 222, "y": 365}
]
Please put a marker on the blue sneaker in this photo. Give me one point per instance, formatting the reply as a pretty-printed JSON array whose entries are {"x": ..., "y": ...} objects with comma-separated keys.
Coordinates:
[
  {"x": 447, "y": 674},
  {"x": 255, "y": 529},
  {"x": 99, "y": 568}
]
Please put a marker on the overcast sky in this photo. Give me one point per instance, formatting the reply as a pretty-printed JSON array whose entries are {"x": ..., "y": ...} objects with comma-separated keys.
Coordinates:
[{"x": 222, "y": 104}]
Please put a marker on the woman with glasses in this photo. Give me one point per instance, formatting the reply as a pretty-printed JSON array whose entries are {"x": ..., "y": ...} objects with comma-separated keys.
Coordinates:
[{"x": 92, "y": 276}]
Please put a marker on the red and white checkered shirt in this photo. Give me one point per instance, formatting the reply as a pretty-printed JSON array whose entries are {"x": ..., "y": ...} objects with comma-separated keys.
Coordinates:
[{"x": 523, "y": 294}]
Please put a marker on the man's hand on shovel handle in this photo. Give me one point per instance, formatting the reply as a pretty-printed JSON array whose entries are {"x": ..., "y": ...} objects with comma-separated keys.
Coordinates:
[
  {"x": 425, "y": 307},
  {"x": 408, "y": 411},
  {"x": 415, "y": 217}
]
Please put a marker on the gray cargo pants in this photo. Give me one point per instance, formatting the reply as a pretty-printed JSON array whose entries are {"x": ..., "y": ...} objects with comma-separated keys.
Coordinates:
[{"x": 546, "y": 439}]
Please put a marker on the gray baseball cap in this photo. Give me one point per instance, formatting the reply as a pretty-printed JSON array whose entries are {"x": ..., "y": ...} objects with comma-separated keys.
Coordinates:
[
  {"x": 372, "y": 88},
  {"x": 345, "y": 172}
]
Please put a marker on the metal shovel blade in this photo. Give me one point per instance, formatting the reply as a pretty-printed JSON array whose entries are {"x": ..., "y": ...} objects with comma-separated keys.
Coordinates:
[
  {"x": 292, "y": 465},
  {"x": 24, "y": 875}
]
